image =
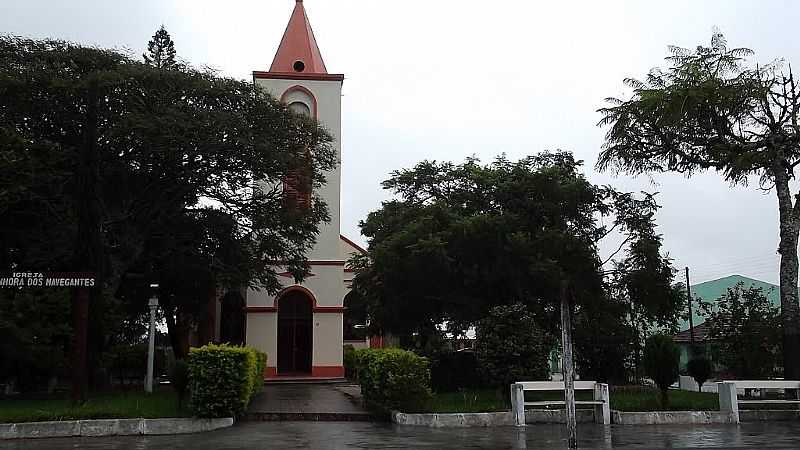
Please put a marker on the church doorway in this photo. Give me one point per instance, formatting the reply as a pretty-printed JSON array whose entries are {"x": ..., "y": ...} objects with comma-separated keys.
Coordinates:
[{"x": 295, "y": 333}]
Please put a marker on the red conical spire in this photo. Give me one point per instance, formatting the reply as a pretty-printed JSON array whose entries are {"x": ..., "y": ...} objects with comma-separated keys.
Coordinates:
[{"x": 298, "y": 52}]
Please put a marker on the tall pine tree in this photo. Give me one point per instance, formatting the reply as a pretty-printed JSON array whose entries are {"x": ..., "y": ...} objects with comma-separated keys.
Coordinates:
[{"x": 161, "y": 50}]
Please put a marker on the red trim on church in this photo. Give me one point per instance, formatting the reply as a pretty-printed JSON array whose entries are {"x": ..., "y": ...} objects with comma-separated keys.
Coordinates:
[
  {"x": 330, "y": 309},
  {"x": 327, "y": 371},
  {"x": 257, "y": 74},
  {"x": 376, "y": 341},
  {"x": 261, "y": 309},
  {"x": 316, "y": 372},
  {"x": 307, "y": 293},
  {"x": 314, "y": 262},
  {"x": 298, "y": 45},
  {"x": 356, "y": 246}
]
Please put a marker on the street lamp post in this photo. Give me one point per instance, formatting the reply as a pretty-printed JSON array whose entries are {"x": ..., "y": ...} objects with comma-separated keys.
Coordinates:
[{"x": 148, "y": 382}]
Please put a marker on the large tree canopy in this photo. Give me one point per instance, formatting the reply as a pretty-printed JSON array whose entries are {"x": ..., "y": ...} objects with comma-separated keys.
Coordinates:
[
  {"x": 113, "y": 166},
  {"x": 710, "y": 110},
  {"x": 460, "y": 239}
]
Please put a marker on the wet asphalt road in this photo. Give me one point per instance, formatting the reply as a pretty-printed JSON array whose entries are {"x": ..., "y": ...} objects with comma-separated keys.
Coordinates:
[{"x": 365, "y": 435}]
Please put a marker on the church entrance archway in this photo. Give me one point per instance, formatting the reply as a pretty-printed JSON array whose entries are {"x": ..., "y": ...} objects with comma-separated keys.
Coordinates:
[{"x": 295, "y": 332}]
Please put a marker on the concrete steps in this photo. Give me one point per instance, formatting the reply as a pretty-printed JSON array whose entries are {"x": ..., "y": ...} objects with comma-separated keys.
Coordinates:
[{"x": 310, "y": 417}]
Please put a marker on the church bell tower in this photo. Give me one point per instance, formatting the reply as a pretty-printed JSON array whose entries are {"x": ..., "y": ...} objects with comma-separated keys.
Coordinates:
[{"x": 300, "y": 329}]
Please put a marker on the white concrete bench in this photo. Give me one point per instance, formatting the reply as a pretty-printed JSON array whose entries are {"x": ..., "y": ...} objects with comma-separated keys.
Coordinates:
[
  {"x": 601, "y": 401},
  {"x": 729, "y": 401}
]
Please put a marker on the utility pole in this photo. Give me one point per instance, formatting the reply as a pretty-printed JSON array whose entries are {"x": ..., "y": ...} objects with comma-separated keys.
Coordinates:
[
  {"x": 153, "y": 304},
  {"x": 691, "y": 319},
  {"x": 568, "y": 371}
]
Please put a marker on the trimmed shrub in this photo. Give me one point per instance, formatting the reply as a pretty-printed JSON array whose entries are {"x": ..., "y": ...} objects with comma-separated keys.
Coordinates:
[
  {"x": 128, "y": 363},
  {"x": 179, "y": 379},
  {"x": 349, "y": 361},
  {"x": 452, "y": 371},
  {"x": 511, "y": 347},
  {"x": 392, "y": 378},
  {"x": 700, "y": 369},
  {"x": 223, "y": 379},
  {"x": 661, "y": 359}
]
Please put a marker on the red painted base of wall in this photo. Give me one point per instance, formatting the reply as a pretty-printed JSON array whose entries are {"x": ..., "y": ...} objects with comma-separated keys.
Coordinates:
[
  {"x": 316, "y": 372},
  {"x": 327, "y": 371}
]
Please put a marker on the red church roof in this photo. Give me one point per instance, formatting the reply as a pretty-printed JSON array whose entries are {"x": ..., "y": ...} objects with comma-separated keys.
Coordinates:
[{"x": 298, "y": 52}]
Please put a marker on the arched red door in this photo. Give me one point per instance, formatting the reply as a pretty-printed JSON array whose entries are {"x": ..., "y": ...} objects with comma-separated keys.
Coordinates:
[{"x": 295, "y": 333}]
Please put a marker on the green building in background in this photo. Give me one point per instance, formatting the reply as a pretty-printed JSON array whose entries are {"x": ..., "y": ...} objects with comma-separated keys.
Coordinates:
[{"x": 710, "y": 292}]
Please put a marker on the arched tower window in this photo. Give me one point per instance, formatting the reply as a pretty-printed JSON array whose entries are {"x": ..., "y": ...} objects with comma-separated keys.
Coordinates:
[
  {"x": 297, "y": 183},
  {"x": 300, "y": 108}
]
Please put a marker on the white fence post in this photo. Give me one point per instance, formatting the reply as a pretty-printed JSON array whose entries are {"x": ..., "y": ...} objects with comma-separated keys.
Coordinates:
[
  {"x": 518, "y": 404},
  {"x": 602, "y": 413},
  {"x": 728, "y": 403}
]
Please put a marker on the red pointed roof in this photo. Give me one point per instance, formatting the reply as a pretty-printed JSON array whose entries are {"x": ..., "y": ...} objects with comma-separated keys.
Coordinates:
[{"x": 298, "y": 52}]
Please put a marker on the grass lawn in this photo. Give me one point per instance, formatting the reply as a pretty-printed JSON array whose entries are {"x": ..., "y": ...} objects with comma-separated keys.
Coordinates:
[
  {"x": 111, "y": 405},
  {"x": 623, "y": 399},
  {"x": 648, "y": 399}
]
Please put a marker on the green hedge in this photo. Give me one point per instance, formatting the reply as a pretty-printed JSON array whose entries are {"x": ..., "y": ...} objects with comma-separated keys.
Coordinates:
[
  {"x": 350, "y": 358},
  {"x": 223, "y": 379},
  {"x": 393, "y": 378}
]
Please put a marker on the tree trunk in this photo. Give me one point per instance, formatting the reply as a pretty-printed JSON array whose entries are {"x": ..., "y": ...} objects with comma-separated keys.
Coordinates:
[
  {"x": 790, "y": 311},
  {"x": 88, "y": 241},
  {"x": 567, "y": 367},
  {"x": 173, "y": 332},
  {"x": 664, "y": 398}
]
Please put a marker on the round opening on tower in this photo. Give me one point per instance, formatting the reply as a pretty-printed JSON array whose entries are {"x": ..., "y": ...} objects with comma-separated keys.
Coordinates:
[{"x": 299, "y": 66}]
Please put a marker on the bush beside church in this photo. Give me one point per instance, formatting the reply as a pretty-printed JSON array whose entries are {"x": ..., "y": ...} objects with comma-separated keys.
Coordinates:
[
  {"x": 392, "y": 378},
  {"x": 223, "y": 379}
]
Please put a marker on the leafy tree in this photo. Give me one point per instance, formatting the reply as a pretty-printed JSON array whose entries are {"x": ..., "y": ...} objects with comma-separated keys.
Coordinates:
[
  {"x": 746, "y": 328},
  {"x": 661, "y": 359},
  {"x": 605, "y": 342},
  {"x": 510, "y": 346},
  {"x": 700, "y": 369},
  {"x": 710, "y": 110},
  {"x": 160, "y": 50},
  {"x": 34, "y": 336},
  {"x": 105, "y": 159},
  {"x": 460, "y": 239}
]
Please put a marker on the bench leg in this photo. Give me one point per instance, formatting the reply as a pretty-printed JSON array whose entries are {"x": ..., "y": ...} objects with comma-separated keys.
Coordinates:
[
  {"x": 518, "y": 404},
  {"x": 728, "y": 402},
  {"x": 602, "y": 413}
]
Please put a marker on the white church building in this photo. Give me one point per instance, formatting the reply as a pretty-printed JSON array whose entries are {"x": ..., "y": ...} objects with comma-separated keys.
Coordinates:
[{"x": 301, "y": 328}]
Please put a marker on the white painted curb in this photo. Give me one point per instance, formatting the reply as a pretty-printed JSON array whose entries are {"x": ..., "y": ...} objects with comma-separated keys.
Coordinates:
[{"x": 110, "y": 427}]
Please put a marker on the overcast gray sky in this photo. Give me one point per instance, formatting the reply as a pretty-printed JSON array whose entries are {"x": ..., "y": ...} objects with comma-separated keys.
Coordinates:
[{"x": 447, "y": 79}]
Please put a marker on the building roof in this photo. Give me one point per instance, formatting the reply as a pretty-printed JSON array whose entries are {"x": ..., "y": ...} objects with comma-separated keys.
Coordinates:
[
  {"x": 355, "y": 247},
  {"x": 701, "y": 334},
  {"x": 298, "y": 45},
  {"x": 710, "y": 291}
]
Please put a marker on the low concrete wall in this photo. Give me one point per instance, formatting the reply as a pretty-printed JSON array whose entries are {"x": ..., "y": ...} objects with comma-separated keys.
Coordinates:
[
  {"x": 454, "y": 420},
  {"x": 532, "y": 416},
  {"x": 495, "y": 419},
  {"x": 110, "y": 427},
  {"x": 668, "y": 417},
  {"x": 768, "y": 415}
]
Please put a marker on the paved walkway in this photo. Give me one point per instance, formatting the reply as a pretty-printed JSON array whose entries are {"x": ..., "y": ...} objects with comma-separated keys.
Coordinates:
[
  {"x": 307, "y": 402},
  {"x": 363, "y": 435}
]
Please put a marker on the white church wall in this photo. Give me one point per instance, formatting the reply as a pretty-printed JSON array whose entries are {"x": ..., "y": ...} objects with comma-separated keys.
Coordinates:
[
  {"x": 329, "y": 114},
  {"x": 327, "y": 349},
  {"x": 261, "y": 331}
]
